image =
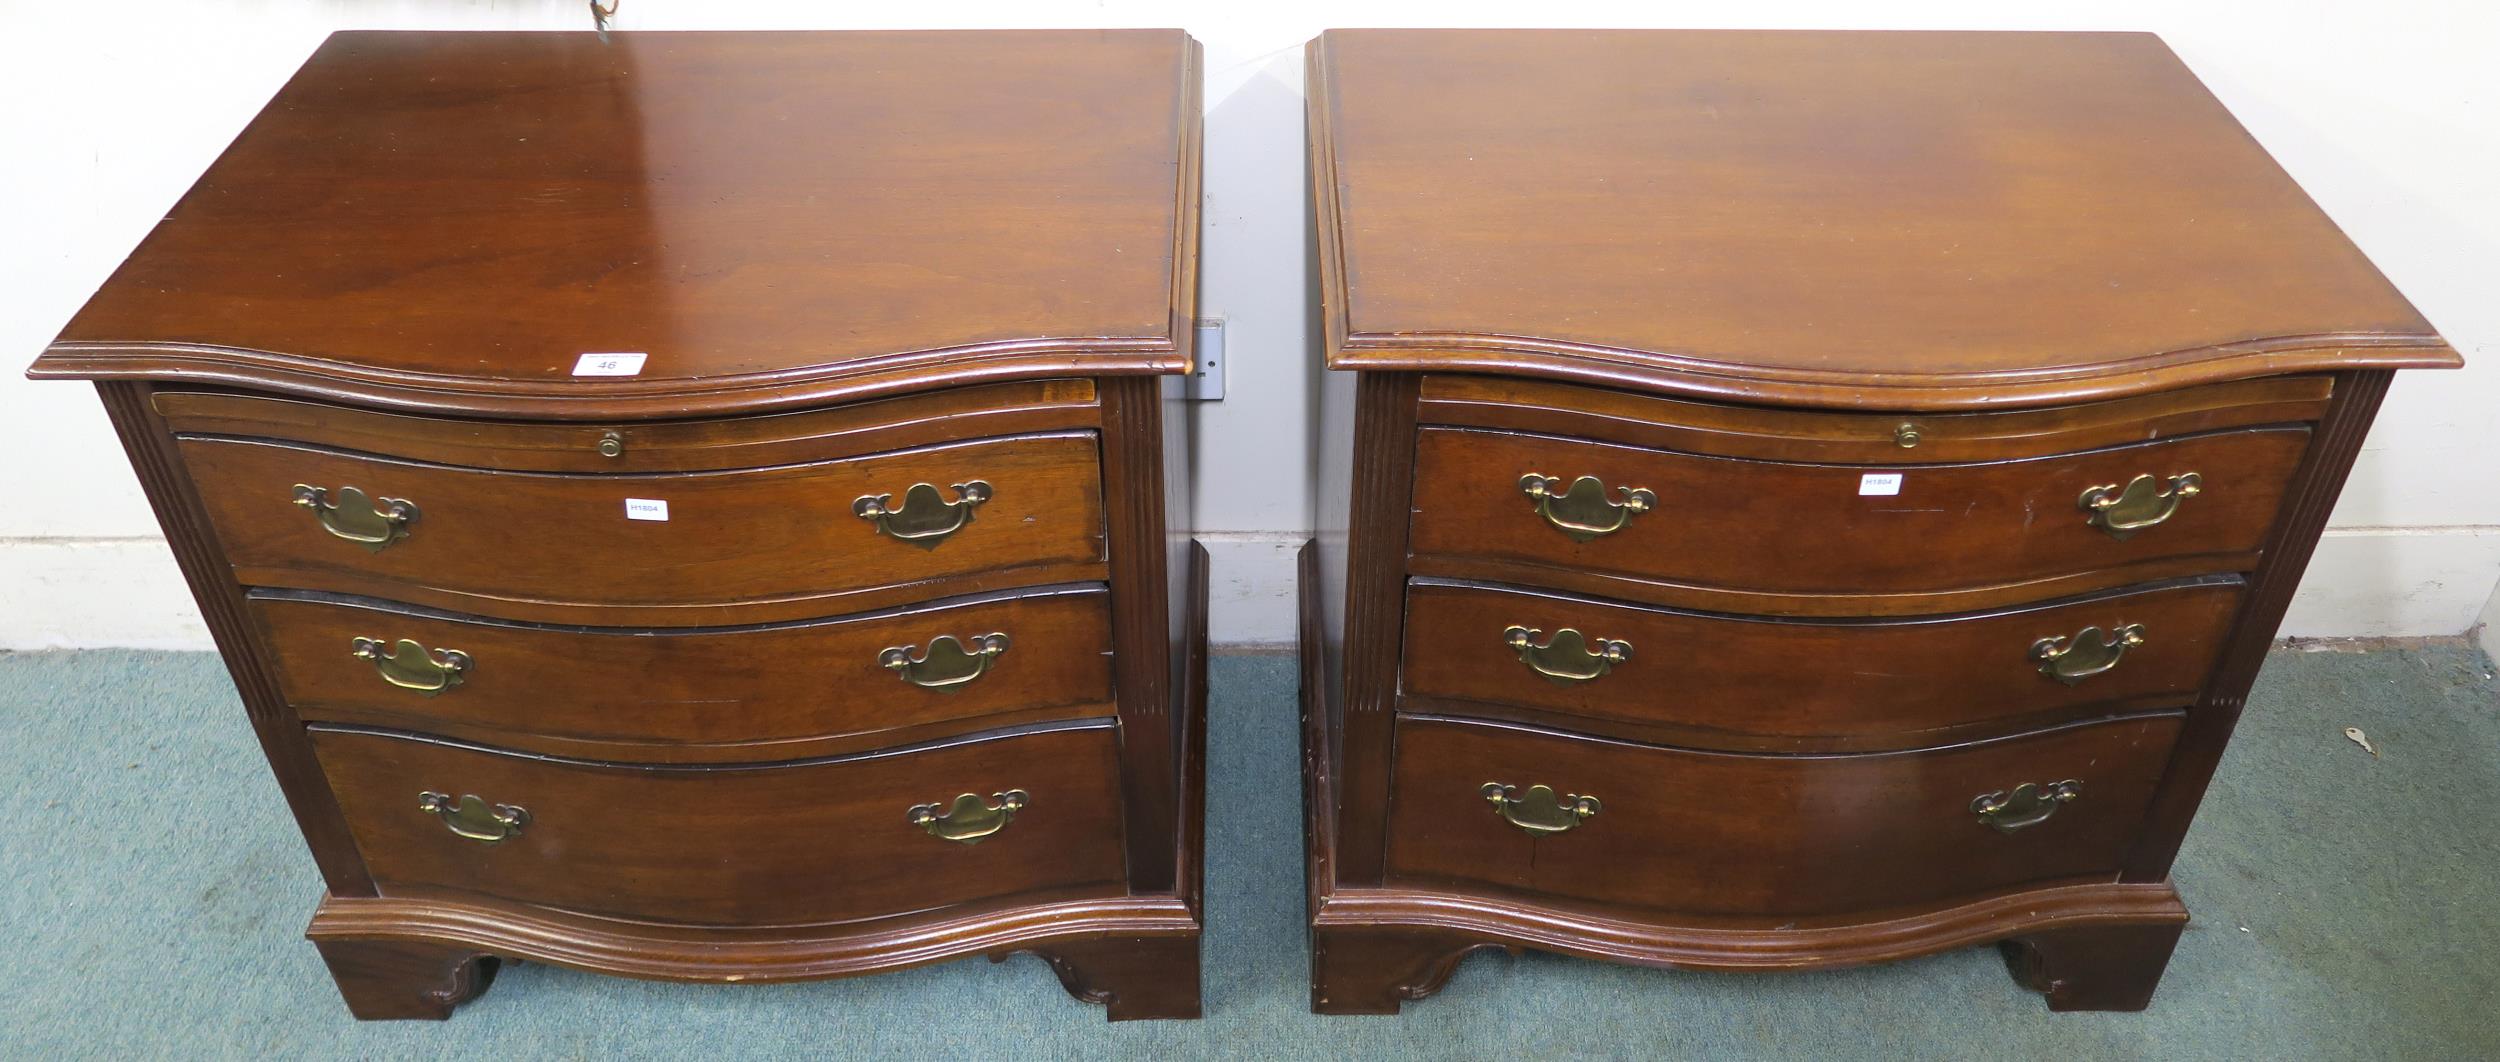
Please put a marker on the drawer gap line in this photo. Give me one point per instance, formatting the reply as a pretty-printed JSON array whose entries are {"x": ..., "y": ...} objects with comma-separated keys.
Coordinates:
[{"x": 1000, "y": 734}]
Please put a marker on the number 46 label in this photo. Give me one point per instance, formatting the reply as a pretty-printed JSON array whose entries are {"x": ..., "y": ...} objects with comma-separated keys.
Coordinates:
[{"x": 620, "y": 364}]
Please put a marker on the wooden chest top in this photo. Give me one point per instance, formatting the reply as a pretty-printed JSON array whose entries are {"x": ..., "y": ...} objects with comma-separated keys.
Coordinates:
[
  {"x": 449, "y": 220},
  {"x": 1877, "y": 220}
]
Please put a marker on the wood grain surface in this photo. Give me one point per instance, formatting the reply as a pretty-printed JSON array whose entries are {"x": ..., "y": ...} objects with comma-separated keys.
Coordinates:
[
  {"x": 1898, "y": 221},
  {"x": 447, "y": 221}
]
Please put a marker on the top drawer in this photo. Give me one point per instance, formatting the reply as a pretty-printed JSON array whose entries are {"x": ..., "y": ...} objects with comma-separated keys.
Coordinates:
[
  {"x": 659, "y": 549},
  {"x": 1789, "y": 538}
]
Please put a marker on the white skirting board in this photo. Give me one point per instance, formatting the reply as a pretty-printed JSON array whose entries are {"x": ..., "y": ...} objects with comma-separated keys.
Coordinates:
[
  {"x": 72, "y": 593},
  {"x": 92, "y": 593},
  {"x": 2489, "y": 633},
  {"x": 1250, "y": 590},
  {"x": 2393, "y": 582}
]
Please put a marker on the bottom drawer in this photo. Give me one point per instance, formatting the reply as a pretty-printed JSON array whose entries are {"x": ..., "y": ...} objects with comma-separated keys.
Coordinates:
[
  {"x": 1717, "y": 833},
  {"x": 810, "y": 841}
]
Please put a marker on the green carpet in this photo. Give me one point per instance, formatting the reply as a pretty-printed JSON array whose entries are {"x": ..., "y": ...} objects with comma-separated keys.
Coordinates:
[{"x": 153, "y": 894}]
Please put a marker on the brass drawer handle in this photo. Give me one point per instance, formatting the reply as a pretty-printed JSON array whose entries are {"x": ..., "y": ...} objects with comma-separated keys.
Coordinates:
[
  {"x": 946, "y": 665},
  {"x": 1566, "y": 657},
  {"x": 2089, "y": 653},
  {"x": 1540, "y": 812},
  {"x": 970, "y": 818},
  {"x": 2027, "y": 805},
  {"x": 2145, "y": 501},
  {"x": 410, "y": 666},
  {"x": 354, "y": 516},
  {"x": 925, "y": 517},
  {"x": 473, "y": 818},
  {"x": 1584, "y": 511}
]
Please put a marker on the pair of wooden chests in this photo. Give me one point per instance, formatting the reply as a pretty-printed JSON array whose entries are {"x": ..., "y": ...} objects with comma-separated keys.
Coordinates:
[{"x": 715, "y": 507}]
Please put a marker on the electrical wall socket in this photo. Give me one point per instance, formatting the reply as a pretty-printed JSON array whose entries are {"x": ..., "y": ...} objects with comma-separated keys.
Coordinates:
[{"x": 1206, "y": 381}]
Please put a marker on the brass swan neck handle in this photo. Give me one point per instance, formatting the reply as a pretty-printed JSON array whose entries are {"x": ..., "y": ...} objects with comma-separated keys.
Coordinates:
[
  {"x": 1568, "y": 657},
  {"x": 2089, "y": 653},
  {"x": 1583, "y": 510},
  {"x": 356, "y": 518},
  {"x": 1540, "y": 811},
  {"x": 472, "y": 817},
  {"x": 2143, "y": 502},
  {"x": 969, "y": 818},
  {"x": 409, "y": 665},
  {"x": 2024, "y": 806},
  {"x": 925, "y": 518},
  {"x": 946, "y": 666}
]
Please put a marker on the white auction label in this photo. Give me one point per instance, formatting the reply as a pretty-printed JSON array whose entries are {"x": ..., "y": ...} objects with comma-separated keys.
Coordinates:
[
  {"x": 646, "y": 509},
  {"x": 620, "y": 364},
  {"x": 1879, "y": 484}
]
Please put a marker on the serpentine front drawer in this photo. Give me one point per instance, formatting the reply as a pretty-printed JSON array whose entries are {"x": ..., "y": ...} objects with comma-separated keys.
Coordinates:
[
  {"x": 1782, "y": 685},
  {"x": 1842, "y": 539},
  {"x": 807, "y": 842},
  {"x": 757, "y": 693},
  {"x": 1571, "y": 817},
  {"x": 655, "y": 549}
]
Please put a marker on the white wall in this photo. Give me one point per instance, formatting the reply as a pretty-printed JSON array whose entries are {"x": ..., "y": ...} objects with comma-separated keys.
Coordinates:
[{"x": 2386, "y": 112}]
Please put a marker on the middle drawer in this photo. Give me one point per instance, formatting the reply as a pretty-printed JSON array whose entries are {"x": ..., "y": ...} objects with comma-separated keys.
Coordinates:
[
  {"x": 694, "y": 695},
  {"x": 1773, "y": 685}
]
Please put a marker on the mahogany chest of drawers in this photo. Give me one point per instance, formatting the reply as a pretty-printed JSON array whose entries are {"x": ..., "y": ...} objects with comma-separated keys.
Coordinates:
[
  {"x": 702, "y": 506},
  {"x": 1799, "y": 499}
]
